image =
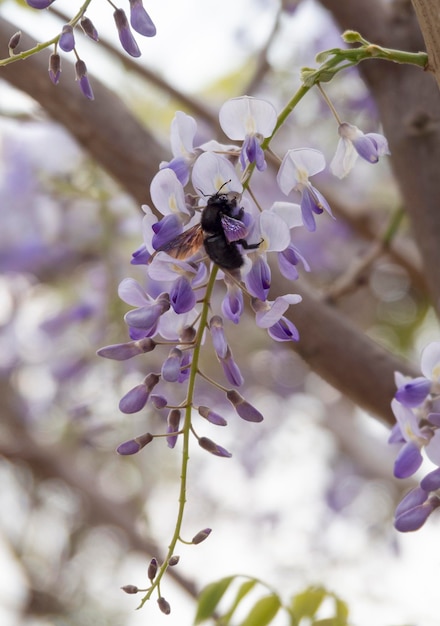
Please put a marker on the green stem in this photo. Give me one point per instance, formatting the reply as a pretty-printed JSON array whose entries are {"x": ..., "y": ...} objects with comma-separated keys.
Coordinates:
[{"x": 186, "y": 431}]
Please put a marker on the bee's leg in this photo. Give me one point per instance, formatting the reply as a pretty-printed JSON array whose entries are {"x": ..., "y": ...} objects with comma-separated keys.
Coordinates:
[{"x": 249, "y": 246}]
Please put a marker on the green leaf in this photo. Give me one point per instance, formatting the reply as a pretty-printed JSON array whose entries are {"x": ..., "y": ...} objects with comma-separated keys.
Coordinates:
[
  {"x": 306, "y": 604},
  {"x": 263, "y": 612},
  {"x": 210, "y": 597},
  {"x": 244, "y": 589},
  {"x": 341, "y": 611}
]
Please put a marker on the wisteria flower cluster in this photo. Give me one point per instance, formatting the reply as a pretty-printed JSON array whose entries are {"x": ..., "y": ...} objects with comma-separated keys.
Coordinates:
[
  {"x": 416, "y": 406},
  {"x": 139, "y": 20},
  {"x": 212, "y": 235}
]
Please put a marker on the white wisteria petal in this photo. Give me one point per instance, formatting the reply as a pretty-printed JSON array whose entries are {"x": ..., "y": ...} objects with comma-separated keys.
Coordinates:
[
  {"x": 344, "y": 159},
  {"x": 244, "y": 116},
  {"x": 132, "y": 293},
  {"x": 430, "y": 361},
  {"x": 167, "y": 193},
  {"x": 275, "y": 231},
  {"x": 183, "y": 131},
  {"x": 297, "y": 166},
  {"x": 290, "y": 212},
  {"x": 212, "y": 172}
]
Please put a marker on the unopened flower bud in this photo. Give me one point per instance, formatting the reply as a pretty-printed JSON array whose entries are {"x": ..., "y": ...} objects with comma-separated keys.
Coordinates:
[
  {"x": 124, "y": 351},
  {"x": 173, "y": 421},
  {"x": 213, "y": 448},
  {"x": 174, "y": 560},
  {"x": 188, "y": 334},
  {"x": 231, "y": 369},
  {"x": 218, "y": 336},
  {"x": 67, "y": 38},
  {"x": 211, "y": 416},
  {"x": 134, "y": 445},
  {"x": 245, "y": 410},
  {"x": 159, "y": 402},
  {"x": 151, "y": 381},
  {"x": 152, "y": 569},
  {"x": 88, "y": 28},
  {"x": 164, "y": 605},
  {"x": 201, "y": 536},
  {"x": 130, "y": 589},
  {"x": 39, "y": 4},
  {"x": 54, "y": 68},
  {"x": 126, "y": 38},
  {"x": 171, "y": 366},
  {"x": 14, "y": 41},
  {"x": 83, "y": 79},
  {"x": 135, "y": 399}
]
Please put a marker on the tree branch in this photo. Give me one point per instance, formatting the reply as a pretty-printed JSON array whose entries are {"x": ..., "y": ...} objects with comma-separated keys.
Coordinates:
[{"x": 409, "y": 105}]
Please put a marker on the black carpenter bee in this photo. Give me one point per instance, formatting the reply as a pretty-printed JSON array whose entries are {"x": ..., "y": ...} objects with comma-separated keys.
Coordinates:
[{"x": 220, "y": 231}]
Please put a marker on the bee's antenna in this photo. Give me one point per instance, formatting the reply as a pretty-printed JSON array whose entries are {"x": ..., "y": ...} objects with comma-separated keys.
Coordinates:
[{"x": 206, "y": 195}]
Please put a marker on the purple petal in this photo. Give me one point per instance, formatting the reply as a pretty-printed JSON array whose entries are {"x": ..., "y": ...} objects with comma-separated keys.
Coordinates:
[
  {"x": 67, "y": 39},
  {"x": 412, "y": 394},
  {"x": 212, "y": 417},
  {"x": 231, "y": 370},
  {"x": 39, "y": 4},
  {"x": 284, "y": 330},
  {"x": 232, "y": 305},
  {"x": 431, "y": 482},
  {"x": 134, "y": 400},
  {"x": 218, "y": 336},
  {"x": 182, "y": 296},
  {"x": 258, "y": 279},
  {"x": 140, "y": 20},
  {"x": 408, "y": 460},
  {"x": 81, "y": 77},
  {"x": 171, "y": 367}
]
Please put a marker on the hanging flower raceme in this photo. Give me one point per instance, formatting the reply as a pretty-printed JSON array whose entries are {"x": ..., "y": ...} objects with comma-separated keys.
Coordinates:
[
  {"x": 416, "y": 406},
  {"x": 204, "y": 234}
]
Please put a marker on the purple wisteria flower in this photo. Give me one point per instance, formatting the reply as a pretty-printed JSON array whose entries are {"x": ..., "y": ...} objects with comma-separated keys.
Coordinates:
[
  {"x": 249, "y": 120},
  {"x": 205, "y": 234},
  {"x": 296, "y": 168},
  {"x": 416, "y": 406},
  {"x": 353, "y": 143}
]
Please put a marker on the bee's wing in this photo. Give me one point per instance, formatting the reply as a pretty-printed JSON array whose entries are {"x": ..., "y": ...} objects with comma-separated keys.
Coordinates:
[
  {"x": 184, "y": 245},
  {"x": 234, "y": 229}
]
